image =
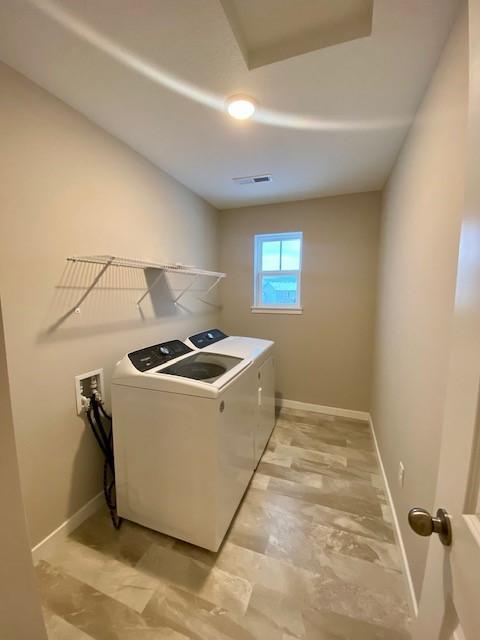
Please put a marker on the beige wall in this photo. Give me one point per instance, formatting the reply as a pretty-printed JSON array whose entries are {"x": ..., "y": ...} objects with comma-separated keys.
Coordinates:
[
  {"x": 323, "y": 356},
  {"x": 67, "y": 187},
  {"x": 422, "y": 207},
  {"x": 20, "y": 612}
]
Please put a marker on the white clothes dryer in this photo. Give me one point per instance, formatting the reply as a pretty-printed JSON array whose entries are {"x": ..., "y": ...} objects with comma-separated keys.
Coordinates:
[{"x": 261, "y": 353}]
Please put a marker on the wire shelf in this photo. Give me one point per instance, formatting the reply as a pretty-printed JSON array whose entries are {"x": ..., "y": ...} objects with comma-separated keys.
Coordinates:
[{"x": 134, "y": 263}]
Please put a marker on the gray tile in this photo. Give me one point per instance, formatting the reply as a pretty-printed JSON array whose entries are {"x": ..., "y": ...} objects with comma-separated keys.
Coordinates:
[
  {"x": 356, "y": 456},
  {"x": 311, "y": 546},
  {"x": 278, "y": 506},
  {"x": 325, "y": 625},
  {"x": 322, "y": 458},
  {"x": 310, "y": 474},
  {"x": 127, "y": 544},
  {"x": 59, "y": 629},
  {"x": 190, "y": 615},
  {"x": 367, "y": 526},
  {"x": 332, "y": 494},
  {"x": 319, "y": 432},
  {"x": 272, "y": 457},
  {"x": 231, "y": 558},
  {"x": 368, "y": 574},
  {"x": 92, "y": 612},
  {"x": 347, "y": 599},
  {"x": 104, "y": 573},
  {"x": 209, "y": 583},
  {"x": 282, "y": 612},
  {"x": 334, "y": 471}
]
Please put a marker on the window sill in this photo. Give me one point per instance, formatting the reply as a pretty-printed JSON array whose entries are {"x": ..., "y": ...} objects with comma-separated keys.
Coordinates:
[{"x": 284, "y": 310}]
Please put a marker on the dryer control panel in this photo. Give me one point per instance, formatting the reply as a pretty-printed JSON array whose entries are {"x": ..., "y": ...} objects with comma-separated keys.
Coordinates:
[
  {"x": 158, "y": 354},
  {"x": 202, "y": 340}
]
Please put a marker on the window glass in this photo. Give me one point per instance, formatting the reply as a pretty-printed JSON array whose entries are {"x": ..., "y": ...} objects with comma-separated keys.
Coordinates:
[
  {"x": 290, "y": 255},
  {"x": 279, "y": 290},
  {"x": 271, "y": 255}
]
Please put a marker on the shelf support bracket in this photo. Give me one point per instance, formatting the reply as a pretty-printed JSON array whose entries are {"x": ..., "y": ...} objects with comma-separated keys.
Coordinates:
[
  {"x": 210, "y": 288},
  {"x": 76, "y": 306},
  {"x": 187, "y": 288}
]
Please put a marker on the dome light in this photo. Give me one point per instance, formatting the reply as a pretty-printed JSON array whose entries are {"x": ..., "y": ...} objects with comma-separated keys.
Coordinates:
[{"x": 241, "y": 107}]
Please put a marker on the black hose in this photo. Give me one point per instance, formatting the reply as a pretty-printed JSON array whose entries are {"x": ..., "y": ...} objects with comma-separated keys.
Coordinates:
[
  {"x": 104, "y": 438},
  {"x": 104, "y": 413},
  {"x": 98, "y": 438},
  {"x": 103, "y": 433}
]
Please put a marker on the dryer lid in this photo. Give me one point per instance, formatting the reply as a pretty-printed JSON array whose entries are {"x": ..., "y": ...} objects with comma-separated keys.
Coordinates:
[{"x": 243, "y": 347}]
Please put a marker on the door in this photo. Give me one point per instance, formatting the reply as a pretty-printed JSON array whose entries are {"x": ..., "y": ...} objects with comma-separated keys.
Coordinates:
[
  {"x": 20, "y": 611},
  {"x": 266, "y": 407},
  {"x": 450, "y": 599}
]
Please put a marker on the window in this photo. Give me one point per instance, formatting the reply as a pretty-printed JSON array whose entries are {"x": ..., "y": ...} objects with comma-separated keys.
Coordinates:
[{"x": 278, "y": 262}]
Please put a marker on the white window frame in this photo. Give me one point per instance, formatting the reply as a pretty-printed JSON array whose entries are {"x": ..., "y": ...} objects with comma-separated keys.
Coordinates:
[{"x": 257, "y": 306}]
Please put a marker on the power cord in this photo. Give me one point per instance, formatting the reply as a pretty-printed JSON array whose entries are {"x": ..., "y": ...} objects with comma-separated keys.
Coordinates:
[{"x": 104, "y": 437}]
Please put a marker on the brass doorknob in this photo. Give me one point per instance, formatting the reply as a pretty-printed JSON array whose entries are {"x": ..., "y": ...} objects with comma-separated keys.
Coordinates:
[{"x": 425, "y": 524}]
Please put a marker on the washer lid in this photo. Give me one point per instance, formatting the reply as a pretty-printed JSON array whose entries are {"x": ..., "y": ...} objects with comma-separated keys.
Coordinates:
[
  {"x": 187, "y": 379},
  {"x": 207, "y": 367}
]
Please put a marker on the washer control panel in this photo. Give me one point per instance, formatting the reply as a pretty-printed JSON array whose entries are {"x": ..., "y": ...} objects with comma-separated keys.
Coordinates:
[
  {"x": 201, "y": 340},
  {"x": 149, "y": 357}
]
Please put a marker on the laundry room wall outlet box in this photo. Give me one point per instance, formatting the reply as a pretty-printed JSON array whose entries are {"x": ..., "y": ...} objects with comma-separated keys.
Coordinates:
[{"x": 85, "y": 384}]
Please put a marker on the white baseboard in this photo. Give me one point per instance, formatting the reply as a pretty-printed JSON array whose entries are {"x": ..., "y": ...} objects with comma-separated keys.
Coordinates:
[
  {"x": 318, "y": 408},
  {"x": 44, "y": 546},
  {"x": 398, "y": 534}
]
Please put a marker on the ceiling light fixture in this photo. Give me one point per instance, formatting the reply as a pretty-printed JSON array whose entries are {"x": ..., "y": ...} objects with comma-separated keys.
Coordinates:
[{"x": 240, "y": 107}]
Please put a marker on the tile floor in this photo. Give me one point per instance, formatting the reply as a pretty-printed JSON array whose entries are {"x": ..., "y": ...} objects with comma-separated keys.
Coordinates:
[{"x": 310, "y": 555}]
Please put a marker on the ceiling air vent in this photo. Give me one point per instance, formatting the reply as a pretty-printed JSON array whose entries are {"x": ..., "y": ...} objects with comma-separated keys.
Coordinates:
[{"x": 253, "y": 179}]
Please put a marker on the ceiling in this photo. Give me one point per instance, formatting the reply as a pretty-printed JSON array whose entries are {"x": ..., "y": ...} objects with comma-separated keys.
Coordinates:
[
  {"x": 269, "y": 31},
  {"x": 156, "y": 74}
]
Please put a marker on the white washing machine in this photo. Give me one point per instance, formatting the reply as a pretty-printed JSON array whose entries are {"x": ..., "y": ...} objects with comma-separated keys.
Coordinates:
[
  {"x": 261, "y": 353},
  {"x": 184, "y": 432}
]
